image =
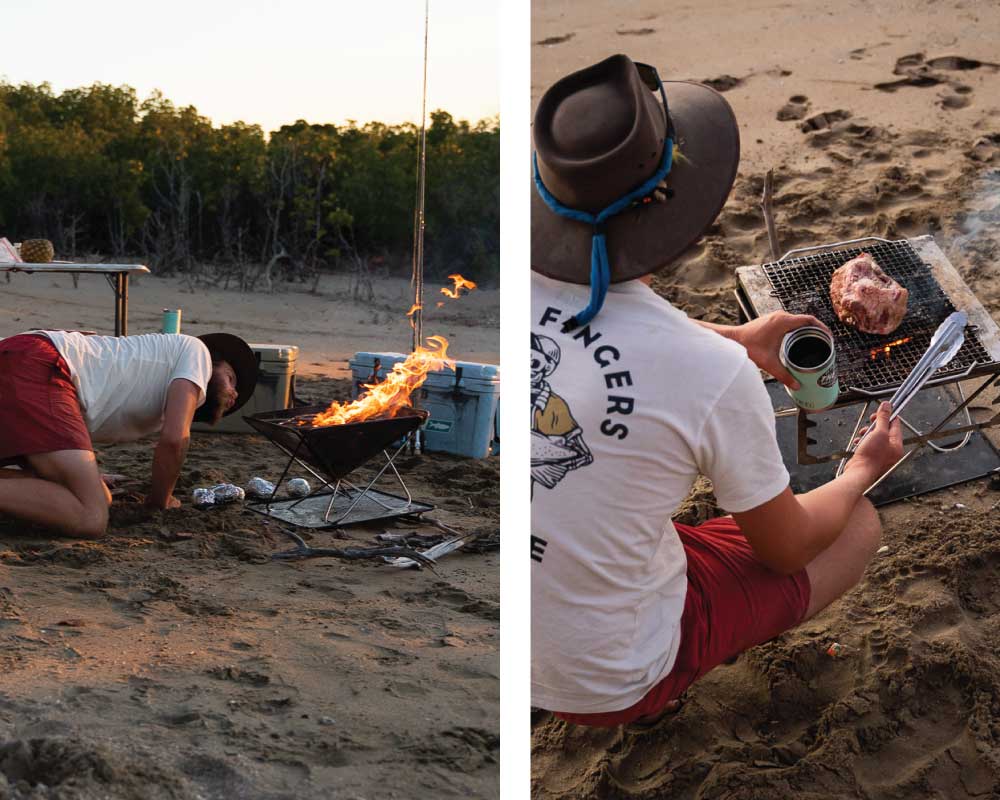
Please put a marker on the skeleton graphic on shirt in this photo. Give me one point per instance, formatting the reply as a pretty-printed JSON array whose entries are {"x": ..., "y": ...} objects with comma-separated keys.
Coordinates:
[{"x": 557, "y": 444}]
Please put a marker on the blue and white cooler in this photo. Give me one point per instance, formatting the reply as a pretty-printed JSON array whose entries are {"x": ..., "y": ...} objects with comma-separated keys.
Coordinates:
[{"x": 464, "y": 403}]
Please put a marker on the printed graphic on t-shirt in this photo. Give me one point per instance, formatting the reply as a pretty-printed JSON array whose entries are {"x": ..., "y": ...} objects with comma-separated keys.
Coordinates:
[{"x": 557, "y": 444}]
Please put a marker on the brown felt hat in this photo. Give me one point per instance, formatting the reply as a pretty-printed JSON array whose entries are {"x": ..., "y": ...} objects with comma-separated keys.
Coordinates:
[
  {"x": 241, "y": 357},
  {"x": 599, "y": 133}
]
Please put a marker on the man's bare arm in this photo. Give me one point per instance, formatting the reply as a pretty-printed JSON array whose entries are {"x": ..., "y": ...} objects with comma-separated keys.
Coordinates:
[
  {"x": 171, "y": 449},
  {"x": 788, "y": 532}
]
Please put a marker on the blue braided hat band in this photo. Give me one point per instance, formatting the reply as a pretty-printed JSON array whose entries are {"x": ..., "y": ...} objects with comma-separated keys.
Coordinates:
[{"x": 600, "y": 265}]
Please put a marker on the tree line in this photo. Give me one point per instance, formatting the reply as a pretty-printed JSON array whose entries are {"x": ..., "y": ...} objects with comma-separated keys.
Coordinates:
[{"x": 98, "y": 171}]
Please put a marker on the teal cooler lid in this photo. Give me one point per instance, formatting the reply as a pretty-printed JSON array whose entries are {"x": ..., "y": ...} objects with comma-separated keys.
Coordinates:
[
  {"x": 366, "y": 359},
  {"x": 474, "y": 375}
]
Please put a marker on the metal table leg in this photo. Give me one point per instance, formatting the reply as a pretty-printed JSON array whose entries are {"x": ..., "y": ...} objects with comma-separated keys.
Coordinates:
[{"x": 123, "y": 293}]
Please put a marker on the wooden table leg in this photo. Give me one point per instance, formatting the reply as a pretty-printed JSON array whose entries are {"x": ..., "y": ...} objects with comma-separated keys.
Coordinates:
[{"x": 121, "y": 303}]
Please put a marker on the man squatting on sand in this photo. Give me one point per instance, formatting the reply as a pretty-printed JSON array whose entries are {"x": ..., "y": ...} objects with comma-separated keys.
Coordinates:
[
  {"x": 631, "y": 404},
  {"x": 60, "y": 391}
]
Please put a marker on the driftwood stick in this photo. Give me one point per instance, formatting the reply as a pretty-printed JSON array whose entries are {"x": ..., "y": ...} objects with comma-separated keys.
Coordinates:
[
  {"x": 353, "y": 554},
  {"x": 768, "y": 209},
  {"x": 303, "y": 550}
]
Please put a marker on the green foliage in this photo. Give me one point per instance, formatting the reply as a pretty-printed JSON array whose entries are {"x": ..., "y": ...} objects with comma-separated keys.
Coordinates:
[{"x": 98, "y": 171}]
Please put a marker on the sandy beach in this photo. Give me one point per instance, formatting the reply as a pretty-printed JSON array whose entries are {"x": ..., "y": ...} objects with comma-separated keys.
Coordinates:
[
  {"x": 175, "y": 659},
  {"x": 879, "y": 119}
]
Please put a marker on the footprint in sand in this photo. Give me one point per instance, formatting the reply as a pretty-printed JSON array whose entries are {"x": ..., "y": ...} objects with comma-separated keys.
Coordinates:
[
  {"x": 985, "y": 148},
  {"x": 723, "y": 83},
  {"x": 952, "y": 101},
  {"x": 979, "y": 593},
  {"x": 825, "y": 119},
  {"x": 551, "y": 40},
  {"x": 960, "y": 63},
  {"x": 921, "y": 72},
  {"x": 796, "y": 108},
  {"x": 862, "y": 138}
]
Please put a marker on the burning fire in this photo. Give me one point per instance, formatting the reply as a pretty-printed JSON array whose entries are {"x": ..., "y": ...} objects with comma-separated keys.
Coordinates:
[
  {"x": 385, "y": 398},
  {"x": 886, "y": 350},
  {"x": 460, "y": 283}
]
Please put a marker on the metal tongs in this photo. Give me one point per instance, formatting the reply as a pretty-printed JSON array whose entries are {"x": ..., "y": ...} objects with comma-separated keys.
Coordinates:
[{"x": 945, "y": 344}]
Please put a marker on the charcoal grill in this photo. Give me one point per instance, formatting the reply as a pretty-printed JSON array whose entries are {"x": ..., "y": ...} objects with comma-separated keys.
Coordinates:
[
  {"x": 799, "y": 283},
  {"x": 332, "y": 452}
]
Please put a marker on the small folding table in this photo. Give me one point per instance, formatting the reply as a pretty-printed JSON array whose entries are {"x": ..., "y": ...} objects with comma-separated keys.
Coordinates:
[{"x": 116, "y": 274}]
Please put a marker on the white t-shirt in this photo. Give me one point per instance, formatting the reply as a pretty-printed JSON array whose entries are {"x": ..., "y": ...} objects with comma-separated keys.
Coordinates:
[
  {"x": 122, "y": 381},
  {"x": 626, "y": 413}
]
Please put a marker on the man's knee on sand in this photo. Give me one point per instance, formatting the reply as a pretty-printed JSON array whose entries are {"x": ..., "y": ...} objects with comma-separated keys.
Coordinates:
[{"x": 93, "y": 522}]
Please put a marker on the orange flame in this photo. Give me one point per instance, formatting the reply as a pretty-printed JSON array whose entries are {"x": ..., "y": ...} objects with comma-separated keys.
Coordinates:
[
  {"x": 886, "y": 350},
  {"x": 384, "y": 399},
  {"x": 460, "y": 283},
  {"x": 439, "y": 303},
  {"x": 413, "y": 310}
]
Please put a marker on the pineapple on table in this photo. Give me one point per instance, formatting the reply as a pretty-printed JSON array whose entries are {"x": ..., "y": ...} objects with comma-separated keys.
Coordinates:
[{"x": 37, "y": 251}]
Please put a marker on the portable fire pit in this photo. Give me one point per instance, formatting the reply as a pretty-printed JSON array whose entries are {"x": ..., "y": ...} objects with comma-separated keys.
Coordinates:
[
  {"x": 872, "y": 367},
  {"x": 332, "y": 452}
]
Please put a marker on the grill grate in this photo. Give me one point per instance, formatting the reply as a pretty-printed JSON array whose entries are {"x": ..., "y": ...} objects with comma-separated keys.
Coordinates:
[{"x": 802, "y": 286}]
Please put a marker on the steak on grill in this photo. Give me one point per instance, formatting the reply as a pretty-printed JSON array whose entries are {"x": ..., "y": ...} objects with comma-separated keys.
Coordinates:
[{"x": 865, "y": 297}]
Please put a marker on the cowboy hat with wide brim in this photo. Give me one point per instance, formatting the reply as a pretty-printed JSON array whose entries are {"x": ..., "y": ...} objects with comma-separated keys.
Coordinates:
[
  {"x": 238, "y": 354},
  {"x": 599, "y": 133}
]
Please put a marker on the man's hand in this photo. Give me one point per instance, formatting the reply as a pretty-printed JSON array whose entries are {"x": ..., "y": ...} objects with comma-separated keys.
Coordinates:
[
  {"x": 762, "y": 339},
  {"x": 881, "y": 448}
]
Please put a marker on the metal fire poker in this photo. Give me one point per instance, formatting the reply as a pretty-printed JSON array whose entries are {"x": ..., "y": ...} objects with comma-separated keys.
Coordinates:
[{"x": 945, "y": 344}]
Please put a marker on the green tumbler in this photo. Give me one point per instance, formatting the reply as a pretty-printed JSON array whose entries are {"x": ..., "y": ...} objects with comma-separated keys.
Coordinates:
[
  {"x": 808, "y": 353},
  {"x": 171, "y": 320}
]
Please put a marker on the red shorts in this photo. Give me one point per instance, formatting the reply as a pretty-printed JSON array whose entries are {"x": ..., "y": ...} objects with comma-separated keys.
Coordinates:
[
  {"x": 39, "y": 410},
  {"x": 733, "y": 602}
]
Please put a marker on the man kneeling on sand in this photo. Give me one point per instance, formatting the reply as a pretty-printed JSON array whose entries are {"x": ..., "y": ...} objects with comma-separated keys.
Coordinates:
[
  {"x": 631, "y": 401},
  {"x": 60, "y": 391}
]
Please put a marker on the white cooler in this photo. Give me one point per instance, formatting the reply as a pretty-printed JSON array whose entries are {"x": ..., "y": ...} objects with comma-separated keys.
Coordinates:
[{"x": 275, "y": 387}]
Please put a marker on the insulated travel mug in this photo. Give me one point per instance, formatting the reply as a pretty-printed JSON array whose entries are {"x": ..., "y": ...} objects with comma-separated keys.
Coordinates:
[
  {"x": 171, "y": 320},
  {"x": 809, "y": 355}
]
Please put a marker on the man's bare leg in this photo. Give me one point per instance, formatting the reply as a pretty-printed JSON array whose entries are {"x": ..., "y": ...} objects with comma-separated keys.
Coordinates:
[
  {"x": 67, "y": 494},
  {"x": 838, "y": 568}
]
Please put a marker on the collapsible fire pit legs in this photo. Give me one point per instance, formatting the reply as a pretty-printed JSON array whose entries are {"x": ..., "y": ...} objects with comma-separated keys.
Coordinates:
[
  {"x": 936, "y": 434},
  {"x": 294, "y": 458},
  {"x": 854, "y": 435},
  {"x": 362, "y": 493},
  {"x": 864, "y": 417},
  {"x": 805, "y": 423},
  {"x": 358, "y": 493}
]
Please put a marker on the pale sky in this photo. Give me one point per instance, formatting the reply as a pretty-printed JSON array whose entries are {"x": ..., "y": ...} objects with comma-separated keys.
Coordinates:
[{"x": 264, "y": 61}]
